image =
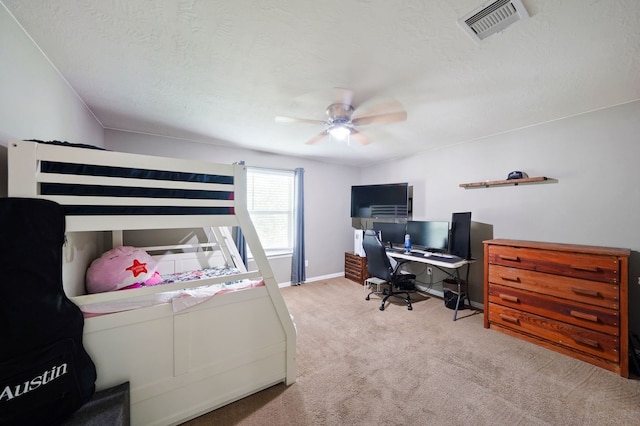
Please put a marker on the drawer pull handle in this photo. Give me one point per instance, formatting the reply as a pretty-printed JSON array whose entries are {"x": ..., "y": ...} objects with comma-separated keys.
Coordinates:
[
  {"x": 510, "y": 258},
  {"x": 586, "y": 268},
  {"x": 513, "y": 279},
  {"x": 585, "y": 341},
  {"x": 510, "y": 319},
  {"x": 582, "y": 315},
  {"x": 586, "y": 292},
  {"x": 509, "y": 298}
]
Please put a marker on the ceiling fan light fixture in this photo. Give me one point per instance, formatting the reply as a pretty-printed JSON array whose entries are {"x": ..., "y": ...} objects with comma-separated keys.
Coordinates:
[
  {"x": 339, "y": 124},
  {"x": 340, "y": 132}
]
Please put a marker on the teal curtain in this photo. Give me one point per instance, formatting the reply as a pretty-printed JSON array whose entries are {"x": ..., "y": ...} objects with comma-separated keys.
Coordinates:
[{"x": 298, "y": 270}]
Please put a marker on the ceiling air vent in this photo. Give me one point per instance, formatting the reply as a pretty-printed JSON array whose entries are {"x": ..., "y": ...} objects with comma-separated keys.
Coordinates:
[{"x": 492, "y": 17}]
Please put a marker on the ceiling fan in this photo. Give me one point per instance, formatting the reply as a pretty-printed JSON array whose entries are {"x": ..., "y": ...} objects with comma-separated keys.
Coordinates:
[{"x": 342, "y": 120}]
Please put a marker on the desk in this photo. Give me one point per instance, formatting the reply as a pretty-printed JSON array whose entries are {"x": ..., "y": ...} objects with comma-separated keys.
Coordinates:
[{"x": 448, "y": 266}]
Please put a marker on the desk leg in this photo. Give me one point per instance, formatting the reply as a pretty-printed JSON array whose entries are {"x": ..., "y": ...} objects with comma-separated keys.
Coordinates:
[
  {"x": 455, "y": 312},
  {"x": 459, "y": 286},
  {"x": 466, "y": 291}
]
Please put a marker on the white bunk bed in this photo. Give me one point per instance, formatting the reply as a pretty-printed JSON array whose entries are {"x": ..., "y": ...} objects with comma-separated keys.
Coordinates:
[{"x": 180, "y": 364}]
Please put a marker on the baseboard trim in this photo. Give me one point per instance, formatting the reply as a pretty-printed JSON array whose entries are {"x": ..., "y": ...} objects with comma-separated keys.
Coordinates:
[{"x": 312, "y": 279}]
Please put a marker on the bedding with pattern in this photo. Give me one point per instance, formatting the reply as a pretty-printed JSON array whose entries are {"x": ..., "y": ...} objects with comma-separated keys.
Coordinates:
[{"x": 180, "y": 299}]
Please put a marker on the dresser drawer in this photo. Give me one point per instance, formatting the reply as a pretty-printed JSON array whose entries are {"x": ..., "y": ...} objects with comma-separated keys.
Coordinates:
[
  {"x": 587, "y": 266},
  {"x": 588, "y": 316},
  {"x": 591, "y": 342},
  {"x": 590, "y": 292}
]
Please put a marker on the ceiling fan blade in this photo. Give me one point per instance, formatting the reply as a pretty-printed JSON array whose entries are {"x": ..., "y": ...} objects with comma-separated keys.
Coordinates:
[
  {"x": 391, "y": 117},
  {"x": 288, "y": 120},
  {"x": 359, "y": 137},
  {"x": 381, "y": 106},
  {"x": 342, "y": 96},
  {"x": 316, "y": 138}
]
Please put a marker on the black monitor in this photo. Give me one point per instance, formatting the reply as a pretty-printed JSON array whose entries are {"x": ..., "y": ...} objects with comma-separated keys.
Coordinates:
[
  {"x": 390, "y": 233},
  {"x": 461, "y": 234},
  {"x": 430, "y": 235}
]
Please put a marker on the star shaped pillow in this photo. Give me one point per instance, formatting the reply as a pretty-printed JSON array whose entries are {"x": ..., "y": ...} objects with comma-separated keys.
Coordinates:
[{"x": 119, "y": 268}]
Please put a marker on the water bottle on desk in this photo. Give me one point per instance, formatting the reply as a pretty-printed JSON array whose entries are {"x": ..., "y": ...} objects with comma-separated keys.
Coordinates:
[{"x": 407, "y": 243}]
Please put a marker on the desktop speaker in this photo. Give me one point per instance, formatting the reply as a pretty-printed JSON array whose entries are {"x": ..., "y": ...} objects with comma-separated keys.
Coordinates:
[{"x": 460, "y": 239}]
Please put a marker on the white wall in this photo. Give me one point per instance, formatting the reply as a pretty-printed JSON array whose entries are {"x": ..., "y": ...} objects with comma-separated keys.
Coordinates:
[
  {"x": 327, "y": 194},
  {"x": 596, "y": 200},
  {"x": 37, "y": 103}
]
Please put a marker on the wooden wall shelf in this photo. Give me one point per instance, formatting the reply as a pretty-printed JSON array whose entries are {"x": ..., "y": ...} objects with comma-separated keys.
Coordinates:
[{"x": 514, "y": 182}]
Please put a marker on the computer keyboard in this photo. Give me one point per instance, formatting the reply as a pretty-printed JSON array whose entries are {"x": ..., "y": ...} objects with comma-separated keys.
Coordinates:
[
  {"x": 404, "y": 251},
  {"x": 446, "y": 257}
]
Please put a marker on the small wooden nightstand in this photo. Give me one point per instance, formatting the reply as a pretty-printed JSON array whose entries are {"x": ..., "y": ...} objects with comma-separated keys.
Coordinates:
[{"x": 355, "y": 267}]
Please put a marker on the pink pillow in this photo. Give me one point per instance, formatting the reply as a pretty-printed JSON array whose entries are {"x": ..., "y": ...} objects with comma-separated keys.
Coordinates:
[{"x": 118, "y": 268}]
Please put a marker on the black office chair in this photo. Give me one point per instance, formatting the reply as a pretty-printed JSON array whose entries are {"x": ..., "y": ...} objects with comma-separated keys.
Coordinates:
[{"x": 379, "y": 266}]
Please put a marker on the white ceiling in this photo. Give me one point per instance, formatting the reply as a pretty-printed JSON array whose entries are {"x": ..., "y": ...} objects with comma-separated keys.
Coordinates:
[{"x": 220, "y": 71}]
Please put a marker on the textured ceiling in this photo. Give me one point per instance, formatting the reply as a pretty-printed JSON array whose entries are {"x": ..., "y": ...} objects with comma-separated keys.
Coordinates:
[{"x": 220, "y": 71}]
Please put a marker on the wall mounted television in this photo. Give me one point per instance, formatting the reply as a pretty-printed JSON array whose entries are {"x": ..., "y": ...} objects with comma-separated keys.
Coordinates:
[{"x": 389, "y": 201}]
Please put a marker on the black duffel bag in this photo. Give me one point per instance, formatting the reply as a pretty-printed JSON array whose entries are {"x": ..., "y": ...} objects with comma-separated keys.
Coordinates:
[{"x": 45, "y": 372}]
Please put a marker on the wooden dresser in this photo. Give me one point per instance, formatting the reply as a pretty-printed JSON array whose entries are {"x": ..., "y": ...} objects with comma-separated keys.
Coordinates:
[
  {"x": 569, "y": 298},
  {"x": 355, "y": 267}
]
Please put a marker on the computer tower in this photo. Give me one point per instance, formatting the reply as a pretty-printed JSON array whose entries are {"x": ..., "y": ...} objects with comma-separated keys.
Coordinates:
[
  {"x": 460, "y": 239},
  {"x": 358, "y": 235}
]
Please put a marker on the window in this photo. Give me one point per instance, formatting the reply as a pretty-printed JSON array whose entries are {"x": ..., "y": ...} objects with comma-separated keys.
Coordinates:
[{"x": 270, "y": 205}]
